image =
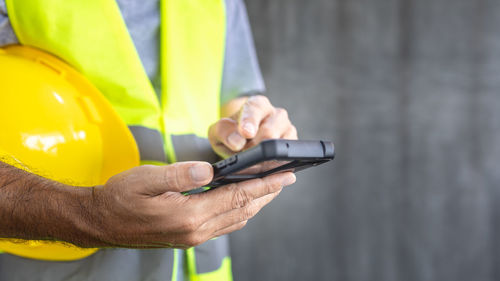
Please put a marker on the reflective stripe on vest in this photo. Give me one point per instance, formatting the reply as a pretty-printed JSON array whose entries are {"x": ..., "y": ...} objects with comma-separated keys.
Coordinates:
[
  {"x": 107, "y": 264},
  {"x": 210, "y": 261},
  {"x": 92, "y": 37},
  {"x": 150, "y": 143}
]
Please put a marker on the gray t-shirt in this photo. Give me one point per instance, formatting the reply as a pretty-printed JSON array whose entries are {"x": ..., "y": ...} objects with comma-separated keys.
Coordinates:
[{"x": 241, "y": 69}]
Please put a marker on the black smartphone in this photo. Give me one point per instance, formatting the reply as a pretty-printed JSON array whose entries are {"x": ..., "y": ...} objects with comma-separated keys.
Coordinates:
[{"x": 270, "y": 157}]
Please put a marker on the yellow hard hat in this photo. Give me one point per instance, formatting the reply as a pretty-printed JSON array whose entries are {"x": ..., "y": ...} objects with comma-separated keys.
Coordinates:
[{"x": 56, "y": 124}]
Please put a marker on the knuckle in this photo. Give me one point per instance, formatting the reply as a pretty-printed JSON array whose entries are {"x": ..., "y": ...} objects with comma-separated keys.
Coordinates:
[
  {"x": 271, "y": 185},
  {"x": 189, "y": 225},
  {"x": 170, "y": 176},
  {"x": 175, "y": 179},
  {"x": 248, "y": 213},
  {"x": 194, "y": 240},
  {"x": 282, "y": 112},
  {"x": 224, "y": 127},
  {"x": 218, "y": 128},
  {"x": 262, "y": 98},
  {"x": 258, "y": 101},
  {"x": 240, "y": 198},
  {"x": 225, "y": 122},
  {"x": 268, "y": 131},
  {"x": 266, "y": 185}
]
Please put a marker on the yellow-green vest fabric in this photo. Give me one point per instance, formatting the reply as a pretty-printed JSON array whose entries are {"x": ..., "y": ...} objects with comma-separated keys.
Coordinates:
[{"x": 92, "y": 37}]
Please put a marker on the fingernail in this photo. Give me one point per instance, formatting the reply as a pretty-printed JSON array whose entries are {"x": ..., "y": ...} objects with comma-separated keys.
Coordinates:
[
  {"x": 200, "y": 172},
  {"x": 249, "y": 128},
  {"x": 236, "y": 140},
  {"x": 289, "y": 180}
]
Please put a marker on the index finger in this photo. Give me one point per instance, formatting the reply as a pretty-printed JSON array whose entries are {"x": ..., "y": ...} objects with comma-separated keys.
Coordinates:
[
  {"x": 255, "y": 109},
  {"x": 238, "y": 195}
]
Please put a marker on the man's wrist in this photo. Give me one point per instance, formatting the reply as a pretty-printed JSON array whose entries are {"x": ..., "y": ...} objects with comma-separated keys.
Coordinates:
[
  {"x": 74, "y": 209},
  {"x": 35, "y": 208}
]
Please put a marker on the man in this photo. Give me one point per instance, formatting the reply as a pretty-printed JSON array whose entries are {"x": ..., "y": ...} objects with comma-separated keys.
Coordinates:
[{"x": 142, "y": 207}]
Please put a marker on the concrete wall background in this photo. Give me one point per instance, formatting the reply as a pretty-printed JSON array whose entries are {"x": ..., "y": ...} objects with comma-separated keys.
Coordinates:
[{"x": 409, "y": 90}]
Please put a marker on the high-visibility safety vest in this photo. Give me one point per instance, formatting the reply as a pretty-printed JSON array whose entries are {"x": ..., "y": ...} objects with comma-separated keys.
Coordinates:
[{"x": 92, "y": 37}]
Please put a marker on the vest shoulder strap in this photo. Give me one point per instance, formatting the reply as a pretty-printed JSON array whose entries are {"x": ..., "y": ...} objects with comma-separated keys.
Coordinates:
[{"x": 92, "y": 37}]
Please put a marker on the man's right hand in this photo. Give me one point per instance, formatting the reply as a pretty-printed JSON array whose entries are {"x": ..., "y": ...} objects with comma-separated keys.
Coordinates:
[{"x": 144, "y": 208}]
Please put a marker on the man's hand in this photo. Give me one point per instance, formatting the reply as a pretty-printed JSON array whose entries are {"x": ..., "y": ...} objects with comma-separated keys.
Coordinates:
[
  {"x": 143, "y": 207},
  {"x": 139, "y": 208},
  {"x": 250, "y": 121}
]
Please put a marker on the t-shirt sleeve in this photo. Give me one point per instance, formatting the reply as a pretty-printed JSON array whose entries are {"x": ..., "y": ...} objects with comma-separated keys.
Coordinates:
[
  {"x": 242, "y": 75},
  {"x": 7, "y": 35}
]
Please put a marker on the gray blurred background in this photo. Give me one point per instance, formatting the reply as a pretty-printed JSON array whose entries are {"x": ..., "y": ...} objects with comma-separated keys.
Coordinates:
[{"x": 409, "y": 90}]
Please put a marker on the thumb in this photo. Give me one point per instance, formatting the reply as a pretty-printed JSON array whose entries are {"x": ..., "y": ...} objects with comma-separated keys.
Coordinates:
[{"x": 179, "y": 177}]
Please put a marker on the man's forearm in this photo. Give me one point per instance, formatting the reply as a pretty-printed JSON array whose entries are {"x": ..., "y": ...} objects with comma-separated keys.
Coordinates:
[{"x": 32, "y": 207}]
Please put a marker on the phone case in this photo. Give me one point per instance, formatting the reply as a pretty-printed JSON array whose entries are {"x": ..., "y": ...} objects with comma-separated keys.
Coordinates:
[{"x": 298, "y": 155}]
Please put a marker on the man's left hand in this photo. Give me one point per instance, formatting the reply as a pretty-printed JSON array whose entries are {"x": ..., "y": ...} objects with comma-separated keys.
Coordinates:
[{"x": 254, "y": 119}]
